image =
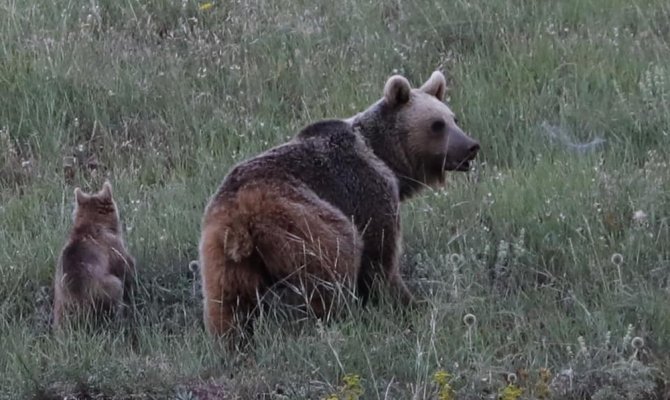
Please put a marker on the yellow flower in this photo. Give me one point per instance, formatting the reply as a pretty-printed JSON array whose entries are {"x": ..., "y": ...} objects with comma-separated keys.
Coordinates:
[
  {"x": 441, "y": 378},
  {"x": 511, "y": 392},
  {"x": 351, "y": 380},
  {"x": 352, "y": 387},
  {"x": 206, "y": 6},
  {"x": 350, "y": 390}
]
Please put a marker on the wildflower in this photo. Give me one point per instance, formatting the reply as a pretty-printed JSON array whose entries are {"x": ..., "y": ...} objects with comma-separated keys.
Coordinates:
[
  {"x": 503, "y": 250},
  {"x": 582, "y": 345},
  {"x": 353, "y": 389},
  {"x": 542, "y": 389},
  {"x": 522, "y": 374},
  {"x": 511, "y": 392},
  {"x": 442, "y": 378},
  {"x": 637, "y": 343},
  {"x": 639, "y": 217},
  {"x": 193, "y": 266},
  {"x": 629, "y": 334},
  {"x": 206, "y": 6},
  {"x": 350, "y": 390},
  {"x": 519, "y": 247},
  {"x": 545, "y": 374}
]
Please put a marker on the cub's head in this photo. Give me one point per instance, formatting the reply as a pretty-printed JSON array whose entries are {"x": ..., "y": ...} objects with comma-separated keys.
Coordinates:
[
  {"x": 98, "y": 208},
  {"x": 426, "y": 129}
]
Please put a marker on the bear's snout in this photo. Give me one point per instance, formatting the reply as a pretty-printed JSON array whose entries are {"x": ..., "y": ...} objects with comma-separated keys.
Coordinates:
[{"x": 461, "y": 149}]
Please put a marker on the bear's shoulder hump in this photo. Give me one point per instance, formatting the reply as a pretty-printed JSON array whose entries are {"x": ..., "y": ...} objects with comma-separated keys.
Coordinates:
[{"x": 326, "y": 128}]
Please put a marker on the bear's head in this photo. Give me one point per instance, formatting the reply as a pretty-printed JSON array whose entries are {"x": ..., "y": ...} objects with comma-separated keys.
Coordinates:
[
  {"x": 416, "y": 134},
  {"x": 96, "y": 209}
]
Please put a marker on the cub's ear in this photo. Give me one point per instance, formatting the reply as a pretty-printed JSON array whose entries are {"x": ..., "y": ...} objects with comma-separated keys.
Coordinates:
[
  {"x": 106, "y": 191},
  {"x": 436, "y": 85},
  {"x": 397, "y": 90},
  {"x": 79, "y": 196}
]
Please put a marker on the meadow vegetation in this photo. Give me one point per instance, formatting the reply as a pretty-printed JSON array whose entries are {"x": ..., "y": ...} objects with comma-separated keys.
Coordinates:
[{"x": 557, "y": 244}]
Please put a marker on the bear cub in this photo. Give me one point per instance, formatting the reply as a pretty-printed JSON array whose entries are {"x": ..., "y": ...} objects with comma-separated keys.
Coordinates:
[
  {"x": 322, "y": 211},
  {"x": 95, "y": 272}
]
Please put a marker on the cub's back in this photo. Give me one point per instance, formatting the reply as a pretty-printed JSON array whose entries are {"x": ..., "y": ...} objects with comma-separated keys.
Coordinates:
[{"x": 76, "y": 261}]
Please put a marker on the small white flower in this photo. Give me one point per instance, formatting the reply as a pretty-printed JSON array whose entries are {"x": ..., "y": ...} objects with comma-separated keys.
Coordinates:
[{"x": 639, "y": 216}]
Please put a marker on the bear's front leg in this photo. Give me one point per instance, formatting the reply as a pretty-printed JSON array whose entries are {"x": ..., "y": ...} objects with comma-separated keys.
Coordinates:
[
  {"x": 396, "y": 282},
  {"x": 381, "y": 262}
]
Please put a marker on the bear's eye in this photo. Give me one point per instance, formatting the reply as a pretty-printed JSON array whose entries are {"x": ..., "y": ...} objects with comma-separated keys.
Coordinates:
[
  {"x": 456, "y": 120},
  {"x": 438, "y": 126}
]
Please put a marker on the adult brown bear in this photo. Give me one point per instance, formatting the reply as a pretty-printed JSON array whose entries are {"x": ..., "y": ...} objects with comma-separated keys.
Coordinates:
[{"x": 322, "y": 210}]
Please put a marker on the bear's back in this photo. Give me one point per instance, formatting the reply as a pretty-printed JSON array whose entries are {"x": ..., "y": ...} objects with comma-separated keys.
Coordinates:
[{"x": 330, "y": 159}]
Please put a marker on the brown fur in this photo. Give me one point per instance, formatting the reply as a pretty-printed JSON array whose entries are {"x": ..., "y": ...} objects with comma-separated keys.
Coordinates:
[
  {"x": 323, "y": 209},
  {"x": 95, "y": 270},
  {"x": 298, "y": 238}
]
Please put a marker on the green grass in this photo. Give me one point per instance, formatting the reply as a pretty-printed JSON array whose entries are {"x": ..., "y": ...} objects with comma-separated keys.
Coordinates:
[{"x": 168, "y": 97}]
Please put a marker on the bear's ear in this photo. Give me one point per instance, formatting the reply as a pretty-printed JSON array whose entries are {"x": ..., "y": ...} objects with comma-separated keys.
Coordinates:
[
  {"x": 106, "y": 192},
  {"x": 79, "y": 196},
  {"x": 436, "y": 85},
  {"x": 397, "y": 90}
]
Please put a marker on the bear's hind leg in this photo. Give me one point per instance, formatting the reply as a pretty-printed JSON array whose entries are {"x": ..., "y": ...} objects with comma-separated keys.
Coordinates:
[
  {"x": 307, "y": 243},
  {"x": 230, "y": 289},
  {"x": 230, "y": 300}
]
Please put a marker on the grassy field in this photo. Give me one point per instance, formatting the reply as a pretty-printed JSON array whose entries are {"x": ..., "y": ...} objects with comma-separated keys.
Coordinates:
[{"x": 558, "y": 242}]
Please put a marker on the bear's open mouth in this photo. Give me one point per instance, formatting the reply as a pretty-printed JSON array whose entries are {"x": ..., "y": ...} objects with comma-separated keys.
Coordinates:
[{"x": 462, "y": 166}]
